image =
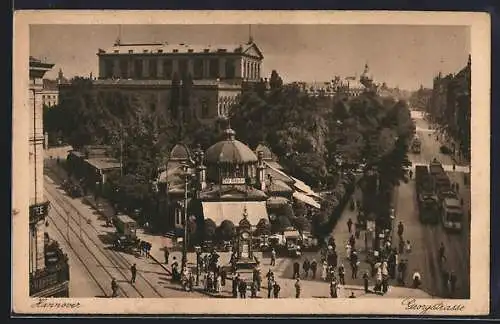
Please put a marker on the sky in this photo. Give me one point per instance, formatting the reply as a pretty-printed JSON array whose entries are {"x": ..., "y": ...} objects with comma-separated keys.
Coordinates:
[{"x": 400, "y": 55}]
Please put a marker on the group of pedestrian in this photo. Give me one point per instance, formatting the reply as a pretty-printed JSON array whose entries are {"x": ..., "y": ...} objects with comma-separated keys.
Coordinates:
[
  {"x": 145, "y": 248},
  {"x": 273, "y": 288}
]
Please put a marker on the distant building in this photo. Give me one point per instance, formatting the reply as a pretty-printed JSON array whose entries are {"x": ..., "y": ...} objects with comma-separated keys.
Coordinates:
[
  {"x": 450, "y": 106},
  {"x": 49, "y": 94},
  {"x": 48, "y": 265},
  {"x": 147, "y": 72},
  {"x": 351, "y": 86}
]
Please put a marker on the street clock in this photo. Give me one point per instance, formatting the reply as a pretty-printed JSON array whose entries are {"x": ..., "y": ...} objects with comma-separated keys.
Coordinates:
[{"x": 245, "y": 235}]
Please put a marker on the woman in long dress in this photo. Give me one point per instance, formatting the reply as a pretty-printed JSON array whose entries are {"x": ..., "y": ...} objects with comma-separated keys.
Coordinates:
[{"x": 324, "y": 270}]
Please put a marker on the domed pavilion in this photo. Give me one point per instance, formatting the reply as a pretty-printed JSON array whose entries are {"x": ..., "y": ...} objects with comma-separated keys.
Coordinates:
[{"x": 230, "y": 181}]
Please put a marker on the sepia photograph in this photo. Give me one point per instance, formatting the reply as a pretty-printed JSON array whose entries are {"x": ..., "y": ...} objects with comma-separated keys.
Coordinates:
[{"x": 243, "y": 156}]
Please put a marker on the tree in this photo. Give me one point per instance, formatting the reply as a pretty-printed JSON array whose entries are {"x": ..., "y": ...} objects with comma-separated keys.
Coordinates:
[
  {"x": 301, "y": 224},
  {"x": 281, "y": 223},
  {"x": 227, "y": 231},
  {"x": 209, "y": 228}
]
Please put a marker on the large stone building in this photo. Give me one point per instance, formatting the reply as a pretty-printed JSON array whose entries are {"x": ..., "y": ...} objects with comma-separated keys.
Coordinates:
[
  {"x": 145, "y": 73},
  {"x": 48, "y": 276},
  {"x": 450, "y": 106}
]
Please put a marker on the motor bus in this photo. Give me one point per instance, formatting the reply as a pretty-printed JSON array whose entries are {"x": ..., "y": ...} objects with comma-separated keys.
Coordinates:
[{"x": 452, "y": 214}]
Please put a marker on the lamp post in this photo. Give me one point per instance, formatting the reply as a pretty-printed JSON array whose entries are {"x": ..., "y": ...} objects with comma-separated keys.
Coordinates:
[
  {"x": 187, "y": 177},
  {"x": 198, "y": 255}
]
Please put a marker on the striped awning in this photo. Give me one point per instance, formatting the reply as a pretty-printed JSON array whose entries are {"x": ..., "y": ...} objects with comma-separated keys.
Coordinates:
[
  {"x": 306, "y": 199},
  {"x": 233, "y": 211}
]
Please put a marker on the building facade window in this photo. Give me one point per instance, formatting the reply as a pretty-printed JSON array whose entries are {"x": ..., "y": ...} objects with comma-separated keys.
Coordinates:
[
  {"x": 124, "y": 68},
  {"x": 108, "y": 69},
  {"x": 198, "y": 69},
  {"x": 153, "y": 68},
  {"x": 183, "y": 68},
  {"x": 213, "y": 68},
  {"x": 138, "y": 69},
  {"x": 204, "y": 109},
  {"x": 230, "y": 68},
  {"x": 167, "y": 69}
]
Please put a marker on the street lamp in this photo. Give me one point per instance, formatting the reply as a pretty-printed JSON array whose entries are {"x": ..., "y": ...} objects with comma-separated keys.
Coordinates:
[
  {"x": 198, "y": 256},
  {"x": 187, "y": 177}
]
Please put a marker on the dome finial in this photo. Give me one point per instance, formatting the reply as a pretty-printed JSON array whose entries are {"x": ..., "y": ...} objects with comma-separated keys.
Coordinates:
[{"x": 229, "y": 132}]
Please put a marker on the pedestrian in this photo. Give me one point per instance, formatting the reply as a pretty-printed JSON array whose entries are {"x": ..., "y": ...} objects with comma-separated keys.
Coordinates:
[
  {"x": 324, "y": 269},
  {"x": 253, "y": 289},
  {"x": 349, "y": 225},
  {"x": 411, "y": 174},
  {"x": 408, "y": 247},
  {"x": 133, "y": 270},
  {"x": 223, "y": 277},
  {"x": 454, "y": 167},
  {"x": 402, "y": 271},
  {"x": 400, "y": 230},
  {"x": 333, "y": 289},
  {"x": 417, "y": 280},
  {"x": 352, "y": 242},
  {"x": 270, "y": 283},
  {"x": 348, "y": 250},
  {"x": 357, "y": 232},
  {"x": 235, "y": 286},
  {"x": 354, "y": 264},
  {"x": 273, "y": 257},
  {"x": 401, "y": 245},
  {"x": 276, "y": 290},
  {"x": 296, "y": 269},
  {"x": 378, "y": 280},
  {"x": 297, "y": 288},
  {"x": 442, "y": 256},
  {"x": 453, "y": 282},
  {"x": 218, "y": 283},
  {"x": 114, "y": 288},
  {"x": 314, "y": 268},
  {"x": 174, "y": 267},
  {"x": 243, "y": 289},
  {"x": 306, "y": 266},
  {"x": 166, "y": 254},
  {"x": 342, "y": 274},
  {"x": 365, "y": 281}
]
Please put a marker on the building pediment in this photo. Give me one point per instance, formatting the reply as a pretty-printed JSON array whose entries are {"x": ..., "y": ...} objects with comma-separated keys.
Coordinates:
[{"x": 253, "y": 50}]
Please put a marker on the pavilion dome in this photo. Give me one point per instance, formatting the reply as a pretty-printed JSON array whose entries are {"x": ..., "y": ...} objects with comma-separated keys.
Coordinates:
[
  {"x": 180, "y": 152},
  {"x": 230, "y": 151}
]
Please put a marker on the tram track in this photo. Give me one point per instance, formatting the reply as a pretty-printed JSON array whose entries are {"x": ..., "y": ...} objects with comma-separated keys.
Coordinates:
[
  {"x": 101, "y": 264},
  {"x": 75, "y": 252},
  {"x": 114, "y": 257}
]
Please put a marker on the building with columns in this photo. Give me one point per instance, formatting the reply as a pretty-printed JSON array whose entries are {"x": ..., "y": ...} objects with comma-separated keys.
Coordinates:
[
  {"x": 48, "y": 276},
  {"x": 144, "y": 73}
]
